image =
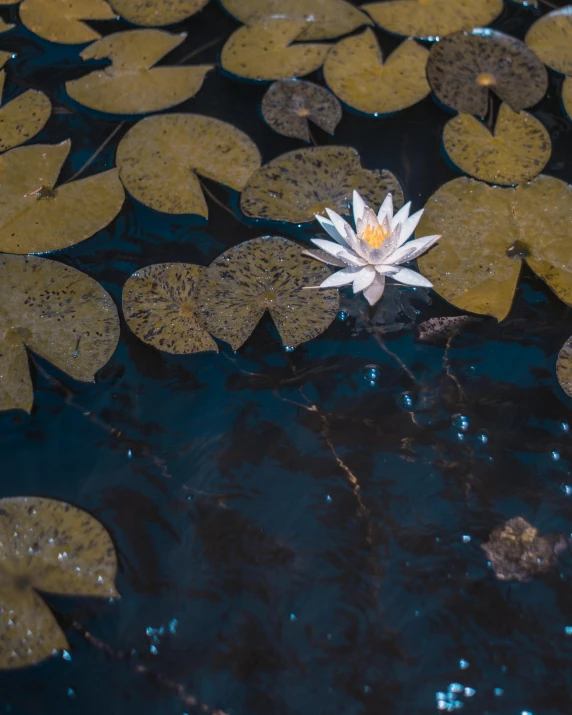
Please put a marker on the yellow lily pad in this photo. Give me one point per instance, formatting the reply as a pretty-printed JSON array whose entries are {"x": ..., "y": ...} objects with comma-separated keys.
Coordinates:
[
  {"x": 325, "y": 18},
  {"x": 301, "y": 183},
  {"x": 156, "y": 13},
  {"x": 23, "y": 117},
  {"x": 355, "y": 71},
  {"x": 486, "y": 233},
  {"x": 264, "y": 51},
  {"x": 35, "y": 217},
  {"x": 62, "y": 20},
  {"x": 271, "y": 274},
  {"x": 463, "y": 68},
  {"x": 159, "y": 306},
  {"x": 159, "y": 157},
  {"x": 517, "y": 151},
  {"x": 5, "y": 26},
  {"x": 432, "y": 19},
  {"x": 567, "y": 96},
  {"x": 51, "y": 547},
  {"x": 564, "y": 367},
  {"x": 289, "y": 105},
  {"x": 551, "y": 39},
  {"x": 132, "y": 84},
  {"x": 56, "y": 312}
]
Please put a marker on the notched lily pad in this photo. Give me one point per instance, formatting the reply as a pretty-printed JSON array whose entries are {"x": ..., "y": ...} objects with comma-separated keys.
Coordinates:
[
  {"x": 301, "y": 183},
  {"x": 267, "y": 273},
  {"x": 51, "y": 547},
  {"x": 289, "y": 105},
  {"x": 159, "y": 157},
  {"x": 35, "y": 217},
  {"x": 159, "y": 306},
  {"x": 355, "y": 71},
  {"x": 432, "y": 19},
  {"x": 463, "y": 68},
  {"x": 156, "y": 13},
  {"x": 56, "y": 312},
  {"x": 63, "y": 21},
  {"x": 325, "y": 18},
  {"x": 517, "y": 151},
  {"x": 132, "y": 84},
  {"x": 551, "y": 39},
  {"x": 517, "y": 552},
  {"x": 22, "y": 117},
  {"x": 264, "y": 51},
  {"x": 486, "y": 233}
]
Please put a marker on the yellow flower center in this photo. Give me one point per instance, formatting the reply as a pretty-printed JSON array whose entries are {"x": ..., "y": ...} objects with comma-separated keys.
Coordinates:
[
  {"x": 374, "y": 236},
  {"x": 486, "y": 80}
]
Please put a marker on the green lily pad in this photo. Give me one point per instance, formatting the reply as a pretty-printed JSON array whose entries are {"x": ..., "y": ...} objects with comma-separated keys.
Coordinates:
[
  {"x": 432, "y": 19},
  {"x": 325, "y": 18},
  {"x": 160, "y": 308},
  {"x": 35, "y": 217},
  {"x": 56, "y": 312},
  {"x": 355, "y": 71},
  {"x": 564, "y": 367},
  {"x": 63, "y": 21},
  {"x": 517, "y": 151},
  {"x": 289, "y": 105},
  {"x": 486, "y": 233},
  {"x": 550, "y": 37},
  {"x": 51, "y": 547},
  {"x": 463, "y": 68},
  {"x": 23, "y": 117},
  {"x": 155, "y": 13},
  {"x": 158, "y": 158},
  {"x": 132, "y": 84},
  {"x": 298, "y": 185},
  {"x": 271, "y": 274},
  {"x": 264, "y": 51}
]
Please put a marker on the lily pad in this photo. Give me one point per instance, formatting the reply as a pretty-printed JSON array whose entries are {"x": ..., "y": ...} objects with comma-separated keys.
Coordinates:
[
  {"x": 56, "y": 312},
  {"x": 159, "y": 157},
  {"x": 567, "y": 96},
  {"x": 23, "y": 117},
  {"x": 355, "y": 71},
  {"x": 5, "y": 26},
  {"x": 156, "y": 13},
  {"x": 35, "y": 217},
  {"x": 432, "y": 19},
  {"x": 264, "y": 51},
  {"x": 551, "y": 39},
  {"x": 517, "y": 151},
  {"x": 325, "y": 18},
  {"x": 486, "y": 234},
  {"x": 463, "y": 68},
  {"x": 298, "y": 185},
  {"x": 289, "y": 105},
  {"x": 132, "y": 84},
  {"x": 63, "y": 21},
  {"x": 51, "y": 547},
  {"x": 160, "y": 308},
  {"x": 271, "y": 274},
  {"x": 564, "y": 367}
]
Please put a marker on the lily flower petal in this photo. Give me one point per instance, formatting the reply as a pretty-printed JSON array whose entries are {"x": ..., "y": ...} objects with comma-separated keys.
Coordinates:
[
  {"x": 411, "y": 250},
  {"x": 412, "y": 278},
  {"x": 408, "y": 226},
  {"x": 347, "y": 232},
  {"x": 374, "y": 292},
  {"x": 401, "y": 216},
  {"x": 334, "y": 249},
  {"x": 386, "y": 269},
  {"x": 386, "y": 209},
  {"x": 341, "y": 278},
  {"x": 359, "y": 206},
  {"x": 331, "y": 230},
  {"x": 364, "y": 278},
  {"x": 324, "y": 257}
]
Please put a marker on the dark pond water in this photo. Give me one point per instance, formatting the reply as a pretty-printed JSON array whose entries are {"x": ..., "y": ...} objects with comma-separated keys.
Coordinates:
[{"x": 307, "y": 538}]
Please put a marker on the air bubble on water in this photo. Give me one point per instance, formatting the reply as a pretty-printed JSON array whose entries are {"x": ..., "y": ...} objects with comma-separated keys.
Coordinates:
[
  {"x": 293, "y": 617},
  {"x": 469, "y": 692},
  {"x": 460, "y": 436},
  {"x": 328, "y": 498},
  {"x": 466, "y": 538},
  {"x": 342, "y": 315},
  {"x": 71, "y": 693},
  {"x": 371, "y": 373},
  {"x": 568, "y": 630},
  {"x": 567, "y": 489},
  {"x": 483, "y": 437},
  {"x": 455, "y": 687},
  {"x": 461, "y": 422},
  {"x": 440, "y": 696},
  {"x": 564, "y": 426},
  {"x": 526, "y": 712},
  {"x": 129, "y": 454},
  {"x": 442, "y": 705},
  {"x": 456, "y": 705},
  {"x": 66, "y": 655},
  {"x": 153, "y": 650},
  {"x": 173, "y": 623},
  {"x": 463, "y": 665},
  {"x": 405, "y": 400},
  {"x": 498, "y": 692},
  {"x": 366, "y": 689},
  {"x": 555, "y": 455},
  {"x": 289, "y": 348}
]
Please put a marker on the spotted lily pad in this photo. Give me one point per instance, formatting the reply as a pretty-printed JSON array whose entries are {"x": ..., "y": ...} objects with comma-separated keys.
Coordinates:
[
  {"x": 35, "y": 217},
  {"x": 56, "y": 312},
  {"x": 551, "y": 39},
  {"x": 486, "y": 233},
  {"x": 432, "y": 19},
  {"x": 132, "y": 84},
  {"x": 355, "y": 71},
  {"x": 564, "y": 367},
  {"x": 567, "y": 96},
  {"x": 5, "y": 26},
  {"x": 463, "y": 68},
  {"x": 517, "y": 151},
  {"x": 271, "y": 274},
  {"x": 51, "y": 547},
  {"x": 159, "y": 307},
  {"x": 153, "y": 13},
  {"x": 299, "y": 184},
  {"x": 325, "y": 18},
  {"x": 63, "y": 21},
  {"x": 22, "y": 117},
  {"x": 159, "y": 157},
  {"x": 264, "y": 51},
  {"x": 289, "y": 105}
]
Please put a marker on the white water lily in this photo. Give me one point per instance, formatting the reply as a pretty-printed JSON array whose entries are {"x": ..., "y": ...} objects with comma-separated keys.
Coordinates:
[{"x": 376, "y": 249}]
